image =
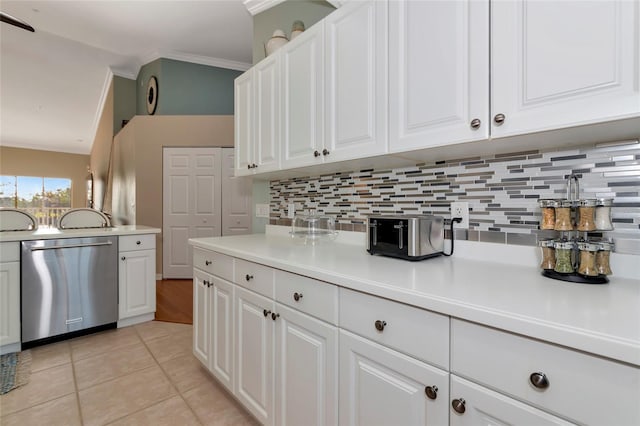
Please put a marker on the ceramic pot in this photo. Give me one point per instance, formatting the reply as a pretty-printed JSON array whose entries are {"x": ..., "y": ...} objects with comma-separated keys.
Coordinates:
[
  {"x": 297, "y": 29},
  {"x": 277, "y": 40}
]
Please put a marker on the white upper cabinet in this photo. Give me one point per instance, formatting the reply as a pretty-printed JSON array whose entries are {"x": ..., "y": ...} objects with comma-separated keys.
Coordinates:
[
  {"x": 356, "y": 81},
  {"x": 558, "y": 64},
  {"x": 244, "y": 123},
  {"x": 267, "y": 115},
  {"x": 302, "y": 99},
  {"x": 438, "y": 73}
]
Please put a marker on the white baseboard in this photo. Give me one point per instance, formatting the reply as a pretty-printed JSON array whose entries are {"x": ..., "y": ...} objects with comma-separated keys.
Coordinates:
[{"x": 136, "y": 320}]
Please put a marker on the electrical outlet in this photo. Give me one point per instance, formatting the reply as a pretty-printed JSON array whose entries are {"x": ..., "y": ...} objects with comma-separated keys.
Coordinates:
[
  {"x": 461, "y": 209},
  {"x": 291, "y": 211},
  {"x": 262, "y": 210}
]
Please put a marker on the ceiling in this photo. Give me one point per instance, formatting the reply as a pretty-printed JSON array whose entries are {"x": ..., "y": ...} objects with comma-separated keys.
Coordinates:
[{"x": 53, "y": 82}]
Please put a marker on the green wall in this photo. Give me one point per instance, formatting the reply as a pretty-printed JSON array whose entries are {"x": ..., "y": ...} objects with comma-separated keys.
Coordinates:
[
  {"x": 124, "y": 101},
  {"x": 281, "y": 17},
  {"x": 185, "y": 88}
]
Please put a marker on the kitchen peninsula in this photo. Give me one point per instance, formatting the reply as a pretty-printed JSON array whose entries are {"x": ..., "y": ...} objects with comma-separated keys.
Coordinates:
[
  {"x": 288, "y": 327},
  {"x": 135, "y": 257}
]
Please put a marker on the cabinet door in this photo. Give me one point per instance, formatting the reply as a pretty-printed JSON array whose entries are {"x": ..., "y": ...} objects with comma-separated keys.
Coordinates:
[
  {"x": 302, "y": 99},
  {"x": 254, "y": 354},
  {"x": 356, "y": 80},
  {"x": 243, "y": 123},
  {"x": 438, "y": 72},
  {"x": 379, "y": 386},
  {"x": 137, "y": 283},
  {"x": 9, "y": 303},
  {"x": 306, "y": 370},
  {"x": 201, "y": 316},
  {"x": 267, "y": 115},
  {"x": 559, "y": 64},
  {"x": 221, "y": 316},
  {"x": 480, "y": 406}
]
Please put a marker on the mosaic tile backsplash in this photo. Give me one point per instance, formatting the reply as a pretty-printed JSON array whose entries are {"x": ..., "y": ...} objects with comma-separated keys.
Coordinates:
[{"x": 502, "y": 191}]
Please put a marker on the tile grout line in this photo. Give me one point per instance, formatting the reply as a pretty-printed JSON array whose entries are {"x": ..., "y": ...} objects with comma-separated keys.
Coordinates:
[{"x": 75, "y": 383}]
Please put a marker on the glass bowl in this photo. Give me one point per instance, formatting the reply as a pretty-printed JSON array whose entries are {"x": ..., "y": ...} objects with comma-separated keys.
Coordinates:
[{"x": 313, "y": 228}]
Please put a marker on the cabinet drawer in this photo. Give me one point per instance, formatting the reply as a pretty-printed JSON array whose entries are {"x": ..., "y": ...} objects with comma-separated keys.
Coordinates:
[
  {"x": 316, "y": 298},
  {"x": 137, "y": 242},
  {"x": 582, "y": 387},
  {"x": 10, "y": 252},
  {"x": 253, "y": 276},
  {"x": 213, "y": 263},
  {"x": 416, "y": 332}
]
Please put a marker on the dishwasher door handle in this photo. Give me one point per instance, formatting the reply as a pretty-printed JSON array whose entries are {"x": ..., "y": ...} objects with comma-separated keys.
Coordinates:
[{"x": 108, "y": 243}]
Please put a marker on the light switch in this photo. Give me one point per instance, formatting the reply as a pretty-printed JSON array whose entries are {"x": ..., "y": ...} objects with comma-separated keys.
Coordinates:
[{"x": 262, "y": 210}]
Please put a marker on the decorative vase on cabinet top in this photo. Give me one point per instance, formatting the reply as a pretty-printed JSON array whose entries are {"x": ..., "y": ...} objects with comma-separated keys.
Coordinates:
[
  {"x": 277, "y": 40},
  {"x": 296, "y": 29}
]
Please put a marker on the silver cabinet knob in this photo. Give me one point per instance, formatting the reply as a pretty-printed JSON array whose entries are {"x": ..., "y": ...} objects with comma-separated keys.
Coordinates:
[
  {"x": 274, "y": 316},
  {"x": 316, "y": 153},
  {"x": 380, "y": 325},
  {"x": 248, "y": 277},
  {"x": 325, "y": 151},
  {"x": 431, "y": 391},
  {"x": 249, "y": 166},
  {"x": 458, "y": 405},
  {"x": 539, "y": 380},
  {"x": 138, "y": 242},
  {"x": 475, "y": 123},
  {"x": 208, "y": 262},
  {"x": 265, "y": 312},
  {"x": 499, "y": 119},
  {"x": 123, "y": 258},
  {"x": 254, "y": 165},
  {"x": 297, "y": 296}
]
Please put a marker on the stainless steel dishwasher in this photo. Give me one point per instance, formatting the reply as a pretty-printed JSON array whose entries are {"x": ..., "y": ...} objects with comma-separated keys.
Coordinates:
[{"x": 69, "y": 288}]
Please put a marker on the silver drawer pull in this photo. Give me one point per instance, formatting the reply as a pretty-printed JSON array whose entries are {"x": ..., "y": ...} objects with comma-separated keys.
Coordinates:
[
  {"x": 297, "y": 296},
  {"x": 431, "y": 391},
  {"x": 380, "y": 325},
  {"x": 539, "y": 380},
  {"x": 248, "y": 277},
  {"x": 458, "y": 405},
  {"x": 207, "y": 262}
]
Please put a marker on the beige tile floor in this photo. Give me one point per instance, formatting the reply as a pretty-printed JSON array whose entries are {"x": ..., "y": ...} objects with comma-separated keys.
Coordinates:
[{"x": 140, "y": 375}]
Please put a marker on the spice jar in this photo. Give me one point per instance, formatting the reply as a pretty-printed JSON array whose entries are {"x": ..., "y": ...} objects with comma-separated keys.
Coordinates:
[
  {"x": 586, "y": 215},
  {"x": 603, "y": 256},
  {"x": 587, "y": 265},
  {"x": 563, "y": 215},
  {"x": 548, "y": 208},
  {"x": 548, "y": 253},
  {"x": 564, "y": 264},
  {"x": 603, "y": 214}
]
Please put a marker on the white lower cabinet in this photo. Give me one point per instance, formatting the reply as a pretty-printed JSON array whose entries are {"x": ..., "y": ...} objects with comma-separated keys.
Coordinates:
[
  {"x": 474, "y": 405},
  {"x": 379, "y": 386},
  {"x": 9, "y": 294},
  {"x": 221, "y": 322},
  {"x": 201, "y": 315},
  {"x": 306, "y": 369},
  {"x": 254, "y": 353},
  {"x": 136, "y": 276}
]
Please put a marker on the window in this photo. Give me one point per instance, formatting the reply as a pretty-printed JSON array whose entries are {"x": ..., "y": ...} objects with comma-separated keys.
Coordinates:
[{"x": 44, "y": 197}]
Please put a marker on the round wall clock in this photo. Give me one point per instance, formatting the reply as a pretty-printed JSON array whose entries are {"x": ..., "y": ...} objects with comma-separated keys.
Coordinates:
[{"x": 152, "y": 95}]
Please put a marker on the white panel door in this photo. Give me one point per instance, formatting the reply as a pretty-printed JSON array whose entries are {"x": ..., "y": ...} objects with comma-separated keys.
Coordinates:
[
  {"x": 244, "y": 123},
  {"x": 136, "y": 283},
  {"x": 191, "y": 204},
  {"x": 266, "y": 141},
  {"x": 9, "y": 303},
  {"x": 302, "y": 99},
  {"x": 379, "y": 386},
  {"x": 478, "y": 406},
  {"x": 254, "y": 353},
  {"x": 201, "y": 316},
  {"x": 221, "y": 303},
  {"x": 356, "y": 81},
  {"x": 438, "y": 72},
  {"x": 306, "y": 370},
  {"x": 557, "y": 64},
  {"x": 236, "y": 196}
]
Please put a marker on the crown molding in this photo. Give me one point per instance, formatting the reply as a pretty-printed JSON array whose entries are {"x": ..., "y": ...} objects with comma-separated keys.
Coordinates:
[
  {"x": 194, "y": 59},
  {"x": 337, "y": 3},
  {"x": 256, "y": 6},
  {"x": 131, "y": 74}
]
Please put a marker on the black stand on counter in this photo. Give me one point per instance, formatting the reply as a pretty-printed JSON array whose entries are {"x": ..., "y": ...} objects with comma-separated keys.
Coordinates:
[{"x": 575, "y": 278}]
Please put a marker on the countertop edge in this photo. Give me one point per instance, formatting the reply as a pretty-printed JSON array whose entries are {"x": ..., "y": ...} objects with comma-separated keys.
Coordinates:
[{"x": 48, "y": 234}]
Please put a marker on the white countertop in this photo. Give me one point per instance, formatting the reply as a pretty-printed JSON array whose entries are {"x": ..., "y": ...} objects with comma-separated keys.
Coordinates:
[
  {"x": 51, "y": 233},
  {"x": 601, "y": 319}
]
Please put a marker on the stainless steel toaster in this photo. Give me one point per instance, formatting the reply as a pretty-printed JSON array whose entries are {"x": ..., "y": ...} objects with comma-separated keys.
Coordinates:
[{"x": 411, "y": 237}]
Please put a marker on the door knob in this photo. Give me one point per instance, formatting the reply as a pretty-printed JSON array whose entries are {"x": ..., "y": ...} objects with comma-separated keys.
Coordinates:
[
  {"x": 316, "y": 153},
  {"x": 123, "y": 258},
  {"x": 297, "y": 296},
  {"x": 380, "y": 325},
  {"x": 138, "y": 242},
  {"x": 248, "y": 277},
  {"x": 207, "y": 262},
  {"x": 265, "y": 312},
  {"x": 499, "y": 119},
  {"x": 274, "y": 316},
  {"x": 431, "y": 391},
  {"x": 475, "y": 123},
  {"x": 458, "y": 405},
  {"x": 325, "y": 151},
  {"x": 539, "y": 380}
]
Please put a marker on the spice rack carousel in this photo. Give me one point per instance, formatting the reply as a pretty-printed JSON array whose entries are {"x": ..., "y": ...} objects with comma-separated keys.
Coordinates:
[{"x": 574, "y": 256}]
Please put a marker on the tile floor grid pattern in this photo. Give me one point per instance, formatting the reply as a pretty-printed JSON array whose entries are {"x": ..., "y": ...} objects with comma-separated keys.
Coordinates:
[
  {"x": 144, "y": 374},
  {"x": 502, "y": 191}
]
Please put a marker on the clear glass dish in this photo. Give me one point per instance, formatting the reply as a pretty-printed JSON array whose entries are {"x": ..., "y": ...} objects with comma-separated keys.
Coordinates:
[{"x": 313, "y": 228}]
